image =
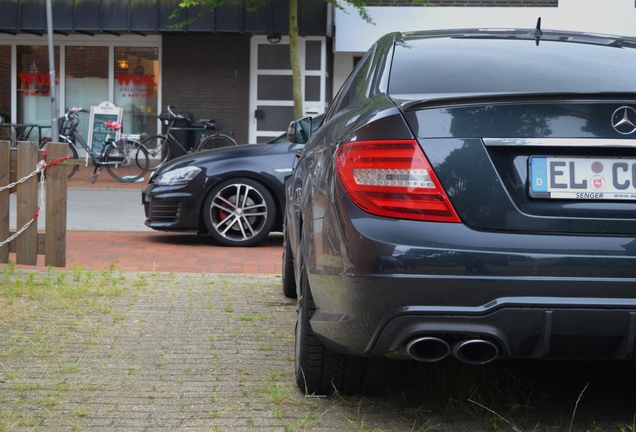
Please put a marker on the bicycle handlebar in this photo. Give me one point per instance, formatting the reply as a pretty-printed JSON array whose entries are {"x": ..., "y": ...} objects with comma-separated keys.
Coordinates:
[
  {"x": 76, "y": 110},
  {"x": 172, "y": 114}
]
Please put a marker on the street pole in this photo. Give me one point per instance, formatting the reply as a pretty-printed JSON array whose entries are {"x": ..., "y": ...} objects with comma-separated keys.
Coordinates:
[{"x": 49, "y": 25}]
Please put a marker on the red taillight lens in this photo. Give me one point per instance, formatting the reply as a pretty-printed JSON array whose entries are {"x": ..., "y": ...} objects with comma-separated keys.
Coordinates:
[{"x": 393, "y": 179}]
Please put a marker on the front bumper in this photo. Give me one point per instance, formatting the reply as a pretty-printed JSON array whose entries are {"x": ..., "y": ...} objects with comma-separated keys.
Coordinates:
[
  {"x": 533, "y": 296},
  {"x": 171, "y": 208}
]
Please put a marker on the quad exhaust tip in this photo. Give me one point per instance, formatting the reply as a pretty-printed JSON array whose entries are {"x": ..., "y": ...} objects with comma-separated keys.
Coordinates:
[
  {"x": 430, "y": 349},
  {"x": 475, "y": 351}
]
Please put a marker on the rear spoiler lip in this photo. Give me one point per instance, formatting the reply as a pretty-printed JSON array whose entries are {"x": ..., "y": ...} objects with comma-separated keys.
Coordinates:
[{"x": 460, "y": 99}]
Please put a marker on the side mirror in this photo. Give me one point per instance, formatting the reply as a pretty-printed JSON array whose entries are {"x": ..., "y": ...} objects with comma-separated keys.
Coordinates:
[{"x": 299, "y": 131}]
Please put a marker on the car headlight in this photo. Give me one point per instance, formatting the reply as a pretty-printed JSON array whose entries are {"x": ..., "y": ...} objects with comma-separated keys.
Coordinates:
[{"x": 179, "y": 176}]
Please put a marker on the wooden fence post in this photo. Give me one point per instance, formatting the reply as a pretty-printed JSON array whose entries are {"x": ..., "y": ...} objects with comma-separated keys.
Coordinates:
[
  {"x": 26, "y": 247},
  {"x": 5, "y": 169},
  {"x": 56, "y": 209}
]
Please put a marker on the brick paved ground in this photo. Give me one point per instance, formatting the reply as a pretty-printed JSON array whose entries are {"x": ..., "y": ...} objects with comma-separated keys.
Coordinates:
[
  {"x": 181, "y": 351},
  {"x": 153, "y": 251},
  {"x": 145, "y": 251}
]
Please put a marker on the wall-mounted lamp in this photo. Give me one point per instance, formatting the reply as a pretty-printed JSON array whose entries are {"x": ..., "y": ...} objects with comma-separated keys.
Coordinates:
[
  {"x": 273, "y": 38},
  {"x": 123, "y": 64}
]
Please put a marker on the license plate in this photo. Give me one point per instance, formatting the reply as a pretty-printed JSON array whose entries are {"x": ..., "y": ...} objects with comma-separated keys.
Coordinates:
[{"x": 582, "y": 178}]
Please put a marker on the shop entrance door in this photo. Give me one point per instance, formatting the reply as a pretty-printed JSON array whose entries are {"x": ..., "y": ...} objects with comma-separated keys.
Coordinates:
[{"x": 271, "y": 90}]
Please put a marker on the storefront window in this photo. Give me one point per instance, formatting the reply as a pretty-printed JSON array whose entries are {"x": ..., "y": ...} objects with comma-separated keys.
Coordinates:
[
  {"x": 86, "y": 79},
  {"x": 34, "y": 86},
  {"x": 136, "y": 88},
  {"x": 127, "y": 76}
]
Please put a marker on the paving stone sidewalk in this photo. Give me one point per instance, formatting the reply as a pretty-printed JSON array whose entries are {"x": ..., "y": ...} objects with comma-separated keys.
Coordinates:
[{"x": 183, "y": 351}]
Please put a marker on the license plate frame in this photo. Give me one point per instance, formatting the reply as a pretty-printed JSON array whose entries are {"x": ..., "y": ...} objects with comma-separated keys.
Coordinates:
[{"x": 582, "y": 178}]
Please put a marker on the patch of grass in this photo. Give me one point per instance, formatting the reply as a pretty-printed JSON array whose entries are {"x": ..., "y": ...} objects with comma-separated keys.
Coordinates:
[
  {"x": 252, "y": 317},
  {"x": 457, "y": 390},
  {"x": 40, "y": 313},
  {"x": 11, "y": 420},
  {"x": 276, "y": 390},
  {"x": 498, "y": 418},
  {"x": 307, "y": 421},
  {"x": 22, "y": 387},
  {"x": 628, "y": 427},
  {"x": 49, "y": 400},
  {"x": 67, "y": 369}
]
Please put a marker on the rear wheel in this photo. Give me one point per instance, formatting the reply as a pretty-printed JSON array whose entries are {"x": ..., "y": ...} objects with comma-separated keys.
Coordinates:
[
  {"x": 318, "y": 369},
  {"x": 127, "y": 161},
  {"x": 216, "y": 141},
  {"x": 159, "y": 150},
  {"x": 239, "y": 212},
  {"x": 73, "y": 164}
]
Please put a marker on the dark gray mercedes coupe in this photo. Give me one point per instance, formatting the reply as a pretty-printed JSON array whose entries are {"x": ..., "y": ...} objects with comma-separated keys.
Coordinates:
[{"x": 471, "y": 193}]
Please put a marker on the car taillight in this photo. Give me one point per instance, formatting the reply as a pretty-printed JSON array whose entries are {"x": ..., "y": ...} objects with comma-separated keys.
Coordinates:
[{"x": 393, "y": 179}]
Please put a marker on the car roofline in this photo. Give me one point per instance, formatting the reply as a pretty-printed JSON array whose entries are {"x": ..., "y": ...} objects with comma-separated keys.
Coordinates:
[{"x": 522, "y": 33}]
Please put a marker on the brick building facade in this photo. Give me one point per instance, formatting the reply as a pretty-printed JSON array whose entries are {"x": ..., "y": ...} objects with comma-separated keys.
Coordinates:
[{"x": 209, "y": 76}]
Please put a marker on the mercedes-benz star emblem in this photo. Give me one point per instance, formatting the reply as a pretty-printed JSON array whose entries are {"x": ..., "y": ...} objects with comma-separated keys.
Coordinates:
[{"x": 624, "y": 120}]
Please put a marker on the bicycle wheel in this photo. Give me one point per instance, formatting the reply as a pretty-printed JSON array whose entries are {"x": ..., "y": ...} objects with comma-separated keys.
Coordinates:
[
  {"x": 73, "y": 160},
  {"x": 127, "y": 161},
  {"x": 159, "y": 150},
  {"x": 216, "y": 141}
]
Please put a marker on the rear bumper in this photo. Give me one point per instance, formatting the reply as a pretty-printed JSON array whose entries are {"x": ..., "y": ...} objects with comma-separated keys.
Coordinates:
[
  {"x": 527, "y": 328},
  {"x": 532, "y": 296}
]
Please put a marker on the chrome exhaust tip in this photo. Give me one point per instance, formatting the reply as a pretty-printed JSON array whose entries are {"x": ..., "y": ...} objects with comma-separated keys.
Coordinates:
[
  {"x": 475, "y": 351},
  {"x": 428, "y": 349}
]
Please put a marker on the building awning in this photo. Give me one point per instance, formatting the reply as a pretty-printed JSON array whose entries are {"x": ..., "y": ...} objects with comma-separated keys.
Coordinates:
[{"x": 152, "y": 16}]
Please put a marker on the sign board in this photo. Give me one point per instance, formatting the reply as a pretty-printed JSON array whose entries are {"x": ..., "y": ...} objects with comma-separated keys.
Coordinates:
[{"x": 97, "y": 130}]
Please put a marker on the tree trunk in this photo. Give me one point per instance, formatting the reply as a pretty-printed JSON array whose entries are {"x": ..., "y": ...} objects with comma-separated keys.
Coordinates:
[{"x": 293, "y": 56}]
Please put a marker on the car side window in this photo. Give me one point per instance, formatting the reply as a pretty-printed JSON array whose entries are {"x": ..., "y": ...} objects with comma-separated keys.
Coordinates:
[{"x": 351, "y": 86}]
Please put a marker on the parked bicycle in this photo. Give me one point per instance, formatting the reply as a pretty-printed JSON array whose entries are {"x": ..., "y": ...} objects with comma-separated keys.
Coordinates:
[
  {"x": 161, "y": 147},
  {"x": 125, "y": 159}
]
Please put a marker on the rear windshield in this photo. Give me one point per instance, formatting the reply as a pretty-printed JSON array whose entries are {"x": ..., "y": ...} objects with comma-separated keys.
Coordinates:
[{"x": 444, "y": 66}]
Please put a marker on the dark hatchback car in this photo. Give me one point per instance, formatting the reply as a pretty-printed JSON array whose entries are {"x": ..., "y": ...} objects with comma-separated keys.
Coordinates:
[
  {"x": 471, "y": 193},
  {"x": 236, "y": 194}
]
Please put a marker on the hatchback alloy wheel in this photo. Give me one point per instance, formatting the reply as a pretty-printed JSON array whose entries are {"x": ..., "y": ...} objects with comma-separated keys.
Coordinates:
[{"x": 239, "y": 212}]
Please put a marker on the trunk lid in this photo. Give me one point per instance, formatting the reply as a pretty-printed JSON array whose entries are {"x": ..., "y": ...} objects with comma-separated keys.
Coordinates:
[{"x": 532, "y": 165}]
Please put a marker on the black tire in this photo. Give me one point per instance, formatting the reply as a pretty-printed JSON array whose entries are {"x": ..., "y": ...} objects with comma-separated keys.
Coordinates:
[
  {"x": 288, "y": 277},
  {"x": 159, "y": 150},
  {"x": 318, "y": 369},
  {"x": 239, "y": 212},
  {"x": 73, "y": 165},
  {"x": 131, "y": 159},
  {"x": 216, "y": 141}
]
